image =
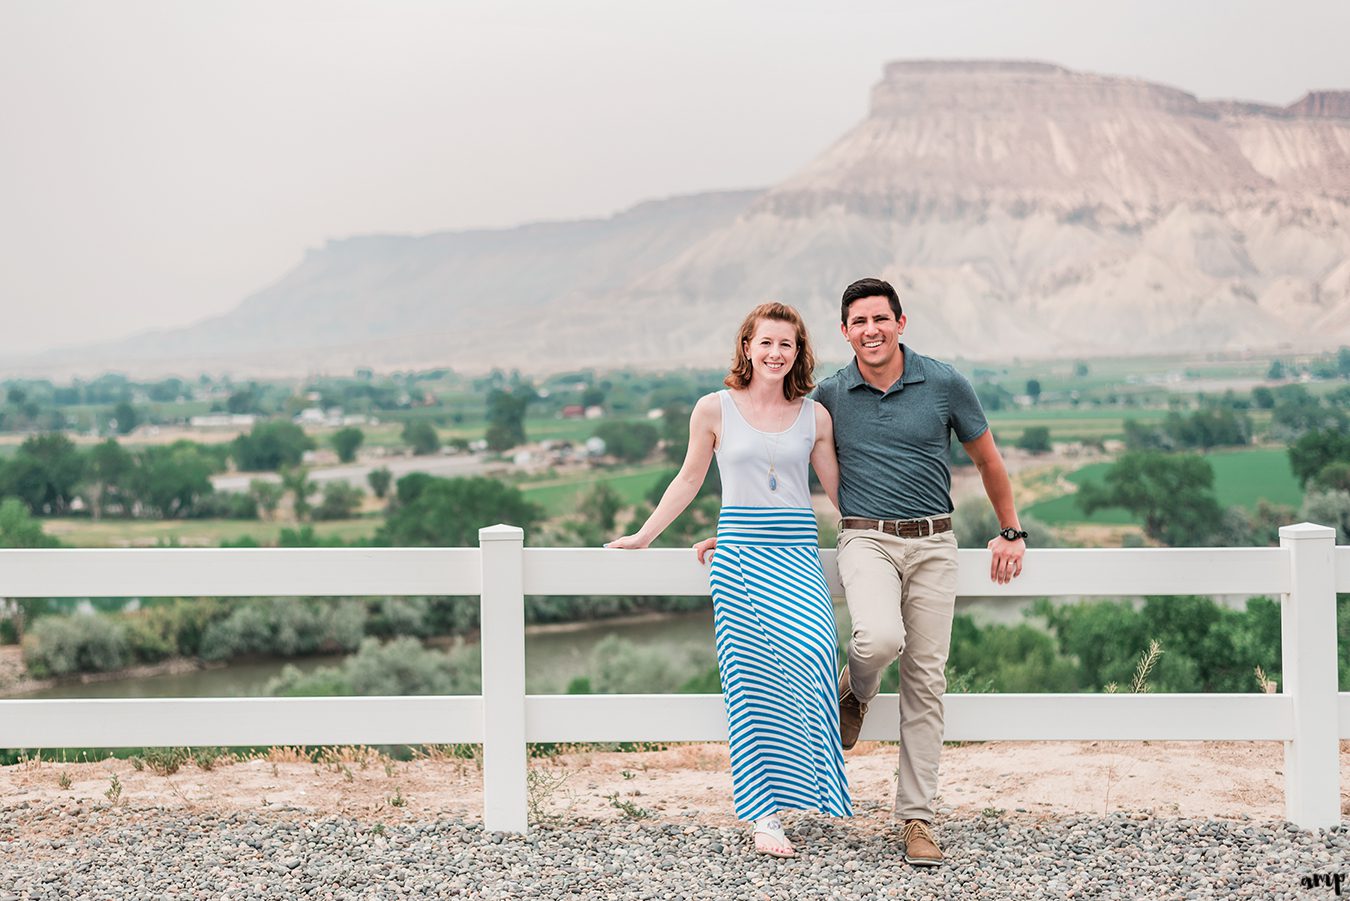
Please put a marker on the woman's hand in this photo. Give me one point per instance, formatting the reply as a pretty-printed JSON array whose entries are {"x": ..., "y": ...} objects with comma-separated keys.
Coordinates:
[
  {"x": 705, "y": 547},
  {"x": 628, "y": 543}
]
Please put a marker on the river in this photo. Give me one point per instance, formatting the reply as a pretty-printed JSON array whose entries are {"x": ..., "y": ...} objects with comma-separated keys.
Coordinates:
[{"x": 554, "y": 655}]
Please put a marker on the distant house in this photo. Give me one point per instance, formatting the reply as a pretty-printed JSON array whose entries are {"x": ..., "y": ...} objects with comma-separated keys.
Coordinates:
[
  {"x": 574, "y": 411},
  {"x": 223, "y": 421}
]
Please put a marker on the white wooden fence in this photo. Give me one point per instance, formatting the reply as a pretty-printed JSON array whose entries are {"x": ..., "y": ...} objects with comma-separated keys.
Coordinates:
[{"x": 1308, "y": 715}]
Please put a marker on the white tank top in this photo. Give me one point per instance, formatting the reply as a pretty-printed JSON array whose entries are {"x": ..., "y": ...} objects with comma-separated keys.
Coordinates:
[{"x": 743, "y": 459}]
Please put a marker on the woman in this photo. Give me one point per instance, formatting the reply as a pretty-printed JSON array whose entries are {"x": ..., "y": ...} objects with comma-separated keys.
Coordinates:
[{"x": 773, "y": 617}]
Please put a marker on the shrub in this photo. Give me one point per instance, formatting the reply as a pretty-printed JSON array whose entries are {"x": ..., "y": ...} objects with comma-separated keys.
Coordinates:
[
  {"x": 620, "y": 666},
  {"x": 340, "y": 501},
  {"x": 401, "y": 667},
  {"x": 286, "y": 627},
  {"x": 58, "y": 645}
]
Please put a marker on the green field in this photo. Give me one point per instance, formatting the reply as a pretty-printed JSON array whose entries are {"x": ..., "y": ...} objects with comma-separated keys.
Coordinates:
[
  {"x": 82, "y": 532},
  {"x": 389, "y": 433},
  {"x": 558, "y": 496},
  {"x": 1241, "y": 479}
]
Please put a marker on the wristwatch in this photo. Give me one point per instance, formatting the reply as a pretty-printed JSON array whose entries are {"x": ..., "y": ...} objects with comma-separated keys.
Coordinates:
[{"x": 1013, "y": 534}]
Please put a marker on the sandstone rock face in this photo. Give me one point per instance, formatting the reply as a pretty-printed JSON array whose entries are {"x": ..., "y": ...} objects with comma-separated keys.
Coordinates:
[
  {"x": 1027, "y": 210},
  {"x": 1022, "y": 209}
]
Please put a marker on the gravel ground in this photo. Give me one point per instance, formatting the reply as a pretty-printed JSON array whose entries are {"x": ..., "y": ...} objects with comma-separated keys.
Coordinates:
[{"x": 102, "y": 852}]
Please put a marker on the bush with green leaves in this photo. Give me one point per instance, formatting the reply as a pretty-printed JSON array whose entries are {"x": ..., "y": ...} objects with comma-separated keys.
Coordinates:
[
  {"x": 421, "y": 437},
  {"x": 346, "y": 442},
  {"x": 341, "y": 500},
  {"x": 81, "y": 643},
  {"x": 400, "y": 667},
  {"x": 619, "y": 666},
  {"x": 286, "y": 627},
  {"x": 271, "y": 446},
  {"x": 1035, "y": 439}
]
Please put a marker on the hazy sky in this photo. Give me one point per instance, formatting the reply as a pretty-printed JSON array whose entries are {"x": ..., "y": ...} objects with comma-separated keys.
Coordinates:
[{"x": 161, "y": 160}]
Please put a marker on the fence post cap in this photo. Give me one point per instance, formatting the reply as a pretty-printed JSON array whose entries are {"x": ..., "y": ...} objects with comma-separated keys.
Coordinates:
[
  {"x": 1307, "y": 530},
  {"x": 501, "y": 532}
]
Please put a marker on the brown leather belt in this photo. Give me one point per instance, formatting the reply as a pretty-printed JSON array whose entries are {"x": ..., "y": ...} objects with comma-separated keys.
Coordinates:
[{"x": 901, "y": 528}]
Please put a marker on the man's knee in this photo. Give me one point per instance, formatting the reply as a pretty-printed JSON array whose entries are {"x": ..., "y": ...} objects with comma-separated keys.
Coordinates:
[{"x": 878, "y": 645}]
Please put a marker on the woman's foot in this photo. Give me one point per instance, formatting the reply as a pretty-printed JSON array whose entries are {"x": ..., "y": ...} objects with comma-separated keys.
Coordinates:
[{"x": 770, "y": 840}]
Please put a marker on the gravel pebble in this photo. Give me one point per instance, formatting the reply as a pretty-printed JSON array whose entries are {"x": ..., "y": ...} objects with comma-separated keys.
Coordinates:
[{"x": 254, "y": 856}]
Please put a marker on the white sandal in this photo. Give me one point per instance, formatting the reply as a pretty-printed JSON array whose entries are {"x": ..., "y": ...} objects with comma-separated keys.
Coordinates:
[{"x": 772, "y": 828}]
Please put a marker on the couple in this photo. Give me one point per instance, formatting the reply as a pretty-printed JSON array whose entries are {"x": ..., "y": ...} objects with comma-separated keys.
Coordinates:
[{"x": 878, "y": 435}]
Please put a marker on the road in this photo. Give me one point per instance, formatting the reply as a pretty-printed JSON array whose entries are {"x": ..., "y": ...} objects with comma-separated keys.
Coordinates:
[{"x": 458, "y": 465}]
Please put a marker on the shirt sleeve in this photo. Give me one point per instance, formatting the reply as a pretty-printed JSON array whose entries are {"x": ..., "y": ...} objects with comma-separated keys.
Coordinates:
[
  {"x": 967, "y": 416},
  {"x": 823, "y": 394}
]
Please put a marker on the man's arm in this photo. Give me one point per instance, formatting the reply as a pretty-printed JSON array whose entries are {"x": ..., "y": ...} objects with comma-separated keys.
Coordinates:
[{"x": 1007, "y": 562}]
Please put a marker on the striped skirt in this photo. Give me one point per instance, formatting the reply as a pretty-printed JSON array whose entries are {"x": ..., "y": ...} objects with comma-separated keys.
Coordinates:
[{"x": 774, "y": 625}]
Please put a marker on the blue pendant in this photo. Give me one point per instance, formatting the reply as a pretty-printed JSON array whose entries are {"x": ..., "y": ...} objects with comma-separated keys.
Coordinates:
[{"x": 773, "y": 482}]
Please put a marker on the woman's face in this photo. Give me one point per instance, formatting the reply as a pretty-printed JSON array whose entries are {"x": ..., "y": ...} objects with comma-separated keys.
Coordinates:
[{"x": 772, "y": 350}]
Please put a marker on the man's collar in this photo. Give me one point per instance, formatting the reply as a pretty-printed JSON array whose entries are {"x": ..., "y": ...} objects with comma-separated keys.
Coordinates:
[{"x": 853, "y": 376}]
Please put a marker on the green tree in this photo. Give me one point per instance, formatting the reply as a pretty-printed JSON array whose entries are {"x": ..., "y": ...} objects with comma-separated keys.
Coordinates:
[
  {"x": 1172, "y": 493},
  {"x": 107, "y": 478},
  {"x": 1034, "y": 390},
  {"x": 267, "y": 495},
  {"x": 1263, "y": 398},
  {"x": 170, "y": 481},
  {"x": 1035, "y": 439},
  {"x": 1333, "y": 477},
  {"x": 1276, "y": 372},
  {"x": 346, "y": 442},
  {"x": 675, "y": 431},
  {"x": 1315, "y": 450},
  {"x": 629, "y": 441},
  {"x": 1328, "y": 508},
  {"x": 125, "y": 417},
  {"x": 379, "y": 481},
  {"x": 18, "y": 528},
  {"x": 506, "y": 418},
  {"x": 341, "y": 500},
  {"x": 421, "y": 437},
  {"x": 296, "y": 480},
  {"x": 449, "y": 512},
  {"x": 271, "y": 446},
  {"x": 45, "y": 473},
  {"x": 244, "y": 400}
]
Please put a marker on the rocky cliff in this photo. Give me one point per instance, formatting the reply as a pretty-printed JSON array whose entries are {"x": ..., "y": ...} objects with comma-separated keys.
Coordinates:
[{"x": 1022, "y": 208}]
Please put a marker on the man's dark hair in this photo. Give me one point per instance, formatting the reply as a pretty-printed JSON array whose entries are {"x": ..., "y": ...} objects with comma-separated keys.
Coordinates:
[{"x": 869, "y": 287}]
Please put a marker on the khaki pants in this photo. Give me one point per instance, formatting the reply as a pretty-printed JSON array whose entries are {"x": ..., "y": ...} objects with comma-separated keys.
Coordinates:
[{"x": 901, "y": 595}]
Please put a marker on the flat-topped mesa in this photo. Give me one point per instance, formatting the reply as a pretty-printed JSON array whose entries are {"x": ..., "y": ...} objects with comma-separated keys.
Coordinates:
[
  {"x": 1323, "y": 105},
  {"x": 980, "y": 86},
  {"x": 949, "y": 137},
  {"x": 1333, "y": 105}
]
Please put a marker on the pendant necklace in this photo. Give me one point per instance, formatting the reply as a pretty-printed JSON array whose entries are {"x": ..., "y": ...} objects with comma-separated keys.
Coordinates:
[{"x": 771, "y": 447}]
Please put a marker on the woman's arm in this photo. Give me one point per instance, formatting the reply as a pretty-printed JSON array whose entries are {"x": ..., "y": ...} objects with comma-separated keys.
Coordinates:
[
  {"x": 823, "y": 459},
  {"x": 703, "y": 425}
]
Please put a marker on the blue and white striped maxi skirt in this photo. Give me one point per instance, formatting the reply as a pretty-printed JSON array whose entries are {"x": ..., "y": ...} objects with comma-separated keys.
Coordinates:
[{"x": 774, "y": 625}]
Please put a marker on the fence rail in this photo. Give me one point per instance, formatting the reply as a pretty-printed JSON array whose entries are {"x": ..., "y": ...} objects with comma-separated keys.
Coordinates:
[{"x": 1309, "y": 716}]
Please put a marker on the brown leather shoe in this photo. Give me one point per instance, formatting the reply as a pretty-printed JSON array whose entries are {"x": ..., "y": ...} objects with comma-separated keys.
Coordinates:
[
  {"x": 921, "y": 848},
  {"x": 851, "y": 712}
]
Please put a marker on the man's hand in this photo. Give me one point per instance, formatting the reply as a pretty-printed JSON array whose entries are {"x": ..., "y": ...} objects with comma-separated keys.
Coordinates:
[
  {"x": 1007, "y": 563},
  {"x": 706, "y": 546}
]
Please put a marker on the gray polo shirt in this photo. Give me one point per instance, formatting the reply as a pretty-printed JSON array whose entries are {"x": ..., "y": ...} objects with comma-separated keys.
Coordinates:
[{"x": 894, "y": 445}]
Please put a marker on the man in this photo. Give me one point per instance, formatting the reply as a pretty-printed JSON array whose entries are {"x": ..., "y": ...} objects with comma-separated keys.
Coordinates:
[{"x": 894, "y": 411}]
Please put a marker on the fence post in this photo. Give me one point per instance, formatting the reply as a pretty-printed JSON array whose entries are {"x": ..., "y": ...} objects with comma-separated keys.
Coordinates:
[
  {"x": 1312, "y": 772},
  {"x": 502, "y": 623}
]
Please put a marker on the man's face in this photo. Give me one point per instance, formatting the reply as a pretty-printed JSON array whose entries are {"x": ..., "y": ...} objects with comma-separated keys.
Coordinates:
[{"x": 873, "y": 332}]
